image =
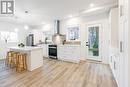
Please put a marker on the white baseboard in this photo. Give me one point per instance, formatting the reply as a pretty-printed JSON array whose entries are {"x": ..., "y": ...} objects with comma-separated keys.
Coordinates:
[{"x": 69, "y": 60}]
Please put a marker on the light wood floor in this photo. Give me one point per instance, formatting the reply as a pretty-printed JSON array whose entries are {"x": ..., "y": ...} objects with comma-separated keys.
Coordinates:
[{"x": 56, "y": 73}]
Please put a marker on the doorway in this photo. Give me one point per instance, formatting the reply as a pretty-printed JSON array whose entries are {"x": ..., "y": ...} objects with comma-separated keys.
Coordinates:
[{"x": 93, "y": 42}]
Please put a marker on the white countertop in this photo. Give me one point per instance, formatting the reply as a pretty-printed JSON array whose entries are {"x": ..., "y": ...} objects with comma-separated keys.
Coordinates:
[
  {"x": 70, "y": 45},
  {"x": 26, "y": 48}
]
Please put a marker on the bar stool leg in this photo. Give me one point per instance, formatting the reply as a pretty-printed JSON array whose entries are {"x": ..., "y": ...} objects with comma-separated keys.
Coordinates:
[
  {"x": 6, "y": 61},
  {"x": 25, "y": 64},
  {"x": 17, "y": 63},
  {"x": 9, "y": 58}
]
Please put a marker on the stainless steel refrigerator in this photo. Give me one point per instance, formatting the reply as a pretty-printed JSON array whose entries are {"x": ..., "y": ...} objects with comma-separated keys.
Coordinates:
[{"x": 30, "y": 40}]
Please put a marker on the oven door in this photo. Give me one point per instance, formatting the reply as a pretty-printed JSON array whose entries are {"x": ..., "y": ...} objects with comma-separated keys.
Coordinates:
[{"x": 53, "y": 52}]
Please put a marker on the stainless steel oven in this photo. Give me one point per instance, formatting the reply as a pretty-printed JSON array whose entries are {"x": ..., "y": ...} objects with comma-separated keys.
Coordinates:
[{"x": 52, "y": 51}]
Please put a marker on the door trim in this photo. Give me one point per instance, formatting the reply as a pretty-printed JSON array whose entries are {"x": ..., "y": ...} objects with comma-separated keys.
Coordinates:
[{"x": 100, "y": 42}]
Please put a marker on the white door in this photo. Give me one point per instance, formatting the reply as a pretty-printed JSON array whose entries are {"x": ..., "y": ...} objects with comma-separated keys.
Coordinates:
[
  {"x": 123, "y": 53},
  {"x": 123, "y": 42},
  {"x": 93, "y": 42}
]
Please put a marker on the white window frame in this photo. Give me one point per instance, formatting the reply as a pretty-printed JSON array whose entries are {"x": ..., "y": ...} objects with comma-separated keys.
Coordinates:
[
  {"x": 9, "y": 37},
  {"x": 67, "y": 31}
]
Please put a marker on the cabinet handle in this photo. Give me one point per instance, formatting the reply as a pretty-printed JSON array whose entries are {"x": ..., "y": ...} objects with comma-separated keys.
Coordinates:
[
  {"x": 121, "y": 10},
  {"x": 121, "y": 46},
  {"x": 114, "y": 65},
  {"x": 111, "y": 58}
]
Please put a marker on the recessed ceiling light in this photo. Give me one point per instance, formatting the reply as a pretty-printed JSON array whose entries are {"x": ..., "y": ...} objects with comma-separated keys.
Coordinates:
[
  {"x": 46, "y": 27},
  {"x": 70, "y": 16},
  {"x": 43, "y": 23},
  {"x": 92, "y": 10},
  {"x": 26, "y": 27},
  {"x": 26, "y": 11},
  {"x": 91, "y": 5},
  {"x": 16, "y": 30}
]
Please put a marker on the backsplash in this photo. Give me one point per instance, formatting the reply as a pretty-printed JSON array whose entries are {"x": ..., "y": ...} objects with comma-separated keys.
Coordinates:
[{"x": 73, "y": 42}]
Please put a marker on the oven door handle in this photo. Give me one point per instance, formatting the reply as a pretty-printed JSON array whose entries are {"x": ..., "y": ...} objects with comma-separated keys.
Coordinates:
[{"x": 52, "y": 47}]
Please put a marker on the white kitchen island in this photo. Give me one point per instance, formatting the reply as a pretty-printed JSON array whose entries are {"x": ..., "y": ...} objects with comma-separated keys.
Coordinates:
[{"x": 34, "y": 56}]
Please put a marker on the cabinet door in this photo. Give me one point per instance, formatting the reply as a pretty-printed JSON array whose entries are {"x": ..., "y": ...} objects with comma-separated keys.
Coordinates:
[
  {"x": 68, "y": 53},
  {"x": 60, "y": 52},
  {"x": 45, "y": 51}
]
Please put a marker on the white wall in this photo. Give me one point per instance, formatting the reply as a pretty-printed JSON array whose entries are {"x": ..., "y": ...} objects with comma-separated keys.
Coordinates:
[
  {"x": 83, "y": 22},
  {"x": 129, "y": 43},
  {"x": 7, "y": 26}
]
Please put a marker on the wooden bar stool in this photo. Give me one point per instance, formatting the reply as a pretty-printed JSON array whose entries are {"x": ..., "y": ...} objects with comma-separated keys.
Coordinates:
[
  {"x": 9, "y": 58},
  {"x": 21, "y": 64},
  {"x": 14, "y": 59}
]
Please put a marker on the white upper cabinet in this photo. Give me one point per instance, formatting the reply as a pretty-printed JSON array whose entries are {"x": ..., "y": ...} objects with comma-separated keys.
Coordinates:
[
  {"x": 114, "y": 26},
  {"x": 123, "y": 8}
]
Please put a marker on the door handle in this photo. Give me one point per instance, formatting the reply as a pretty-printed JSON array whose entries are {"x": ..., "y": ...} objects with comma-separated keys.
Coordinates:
[
  {"x": 114, "y": 65},
  {"x": 87, "y": 43}
]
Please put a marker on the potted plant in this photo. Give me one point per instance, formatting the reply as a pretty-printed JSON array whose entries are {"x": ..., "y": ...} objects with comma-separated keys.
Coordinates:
[
  {"x": 21, "y": 45},
  {"x": 95, "y": 47}
]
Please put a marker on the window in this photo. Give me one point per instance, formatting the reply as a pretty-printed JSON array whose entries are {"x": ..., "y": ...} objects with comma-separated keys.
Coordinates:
[
  {"x": 9, "y": 36},
  {"x": 73, "y": 33}
]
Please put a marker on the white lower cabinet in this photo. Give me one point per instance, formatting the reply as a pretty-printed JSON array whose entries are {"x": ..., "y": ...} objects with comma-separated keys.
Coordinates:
[
  {"x": 45, "y": 49},
  {"x": 69, "y": 53},
  {"x": 115, "y": 65}
]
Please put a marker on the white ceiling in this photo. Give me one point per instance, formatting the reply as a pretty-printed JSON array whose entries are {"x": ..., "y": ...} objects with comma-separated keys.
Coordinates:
[{"x": 48, "y": 10}]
